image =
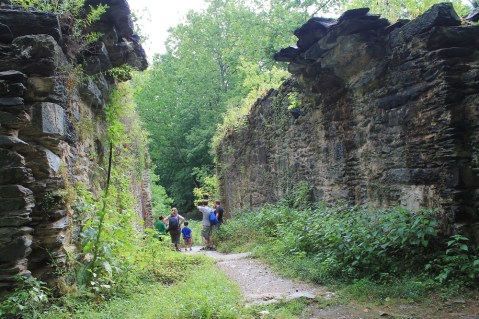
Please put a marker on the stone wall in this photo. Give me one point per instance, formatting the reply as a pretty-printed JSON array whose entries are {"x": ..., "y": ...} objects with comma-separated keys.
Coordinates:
[
  {"x": 376, "y": 114},
  {"x": 52, "y": 130}
]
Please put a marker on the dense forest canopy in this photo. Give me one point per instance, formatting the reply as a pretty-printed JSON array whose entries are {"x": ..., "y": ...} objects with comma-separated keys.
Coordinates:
[{"x": 216, "y": 65}]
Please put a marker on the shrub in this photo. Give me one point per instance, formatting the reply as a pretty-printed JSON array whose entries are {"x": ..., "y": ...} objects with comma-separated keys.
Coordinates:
[
  {"x": 343, "y": 243},
  {"x": 27, "y": 300}
]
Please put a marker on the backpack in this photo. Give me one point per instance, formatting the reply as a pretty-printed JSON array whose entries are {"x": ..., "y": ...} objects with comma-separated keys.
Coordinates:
[
  {"x": 173, "y": 222},
  {"x": 213, "y": 219}
]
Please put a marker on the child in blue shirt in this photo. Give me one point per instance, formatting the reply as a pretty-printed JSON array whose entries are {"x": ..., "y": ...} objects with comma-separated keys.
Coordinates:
[{"x": 186, "y": 231}]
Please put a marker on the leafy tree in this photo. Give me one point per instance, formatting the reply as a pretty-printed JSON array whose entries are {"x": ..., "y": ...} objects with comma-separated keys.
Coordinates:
[
  {"x": 220, "y": 59},
  {"x": 401, "y": 9}
]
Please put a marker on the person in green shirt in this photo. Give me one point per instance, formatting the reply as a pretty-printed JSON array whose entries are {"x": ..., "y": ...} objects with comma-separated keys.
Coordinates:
[{"x": 160, "y": 226}]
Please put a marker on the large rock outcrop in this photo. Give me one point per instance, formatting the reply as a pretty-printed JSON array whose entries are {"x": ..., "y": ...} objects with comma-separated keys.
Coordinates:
[
  {"x": 51, "y": 130},
  {"x": 379, "y": 114}
]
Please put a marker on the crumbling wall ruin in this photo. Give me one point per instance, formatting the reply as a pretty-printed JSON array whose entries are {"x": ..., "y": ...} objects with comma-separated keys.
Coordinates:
[
  {"x": 376, "y": 114},
  {"x": 52, "y": 130}
]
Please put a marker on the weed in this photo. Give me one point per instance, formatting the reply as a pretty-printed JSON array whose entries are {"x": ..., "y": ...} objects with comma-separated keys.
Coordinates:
[
  {"x": 27, "y": 301},
  {"x": 327, "y": 244}
]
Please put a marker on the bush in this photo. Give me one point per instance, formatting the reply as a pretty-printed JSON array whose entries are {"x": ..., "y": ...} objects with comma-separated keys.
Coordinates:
[
  {"x": 342, "y": 243},
  {"x": 28, "y": 299}
]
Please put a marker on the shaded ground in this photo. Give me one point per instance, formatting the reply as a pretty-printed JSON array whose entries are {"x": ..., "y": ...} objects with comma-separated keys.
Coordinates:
[{"x": 260, "y": 286}]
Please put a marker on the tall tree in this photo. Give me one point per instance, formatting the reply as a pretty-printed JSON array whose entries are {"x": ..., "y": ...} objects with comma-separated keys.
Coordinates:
[{"x": 214, "y": 60}]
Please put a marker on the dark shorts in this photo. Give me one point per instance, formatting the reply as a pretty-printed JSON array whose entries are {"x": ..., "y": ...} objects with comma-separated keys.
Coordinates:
[
  {"x": 175, "y": 236},
  {"x": 206, "y": 232},
  {"x": 188, "y": 241}
]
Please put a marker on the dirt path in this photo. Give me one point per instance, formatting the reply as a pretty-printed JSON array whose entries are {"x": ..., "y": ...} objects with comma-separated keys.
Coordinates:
[{"x": 261, "y": 286}]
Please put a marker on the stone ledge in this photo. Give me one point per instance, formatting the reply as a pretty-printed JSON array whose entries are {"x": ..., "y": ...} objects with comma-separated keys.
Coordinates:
[{"x": 38, "y": 23}]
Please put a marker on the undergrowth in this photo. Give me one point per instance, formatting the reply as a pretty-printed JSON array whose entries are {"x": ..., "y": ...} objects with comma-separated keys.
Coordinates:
[{"x": 356, "y": 248}]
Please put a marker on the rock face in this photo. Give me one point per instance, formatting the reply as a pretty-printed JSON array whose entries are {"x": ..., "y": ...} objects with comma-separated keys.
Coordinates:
[
  {"x": 45, "y": 143},
  {"x": 387, "y": 115}
]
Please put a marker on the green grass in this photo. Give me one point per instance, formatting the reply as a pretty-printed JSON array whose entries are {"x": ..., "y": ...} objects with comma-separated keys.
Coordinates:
[
  {"x": 282, "y": 310},
  {"x": 202, "y": 293},
  {"x": 410, "y": 289}
]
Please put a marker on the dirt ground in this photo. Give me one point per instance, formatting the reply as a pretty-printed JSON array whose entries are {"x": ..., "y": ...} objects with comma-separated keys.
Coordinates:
[{"x": 261, "y": 286}]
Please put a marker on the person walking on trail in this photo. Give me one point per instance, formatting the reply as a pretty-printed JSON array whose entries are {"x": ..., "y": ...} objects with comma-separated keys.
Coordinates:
[
  {"x": 219, "y": 212},
  {"x": 186, "y": 231},
  {"x": 207, "y": 230},
  {"x": 160, "y": 227},
  {"x": 174, "y": 227}
]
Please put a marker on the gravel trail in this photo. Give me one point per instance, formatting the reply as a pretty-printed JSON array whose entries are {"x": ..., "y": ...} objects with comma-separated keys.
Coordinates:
[{"x": 261, "y": 286}]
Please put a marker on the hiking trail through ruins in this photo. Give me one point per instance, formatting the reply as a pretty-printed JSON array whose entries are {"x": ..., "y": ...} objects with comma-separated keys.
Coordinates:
[{"x": 261, "y": 286}]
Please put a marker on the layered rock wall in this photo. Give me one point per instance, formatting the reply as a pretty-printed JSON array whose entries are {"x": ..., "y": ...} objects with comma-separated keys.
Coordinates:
[
  {"x": 375, "y": 115},
  {"x": 52, "y": 130}
]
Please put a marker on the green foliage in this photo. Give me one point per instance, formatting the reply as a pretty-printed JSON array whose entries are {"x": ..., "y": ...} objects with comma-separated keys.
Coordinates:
[
  {"x": 460, "y": 261},
  {"x": 299, "y": 196},
  {"x": 365, "y": 290},
  {"x": 160, "y": 201},
  {"x": 327, "y": 244},
  {"x": 401, "y": 9},
  {"x": 83, "y": 17},
  {"x": 121, "y": 73},
  {"x": 238, "y": 234},
  {"x": 220, "y": 59},
  {"x": 257, "y": 81},
  {"x": 294, "y": 100},
  {"x": 72, "y": 7},
  {"x": 28, "y": 300},
  {"x": 208, "y": 189},
  {"x": 282, "y": 310},
  {"x": 199, "y": 290},
  {"x": 112, "y": 243}
]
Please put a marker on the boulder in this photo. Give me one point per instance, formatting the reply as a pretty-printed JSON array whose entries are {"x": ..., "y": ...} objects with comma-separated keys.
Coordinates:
[{"x": 314, "y": 52}]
